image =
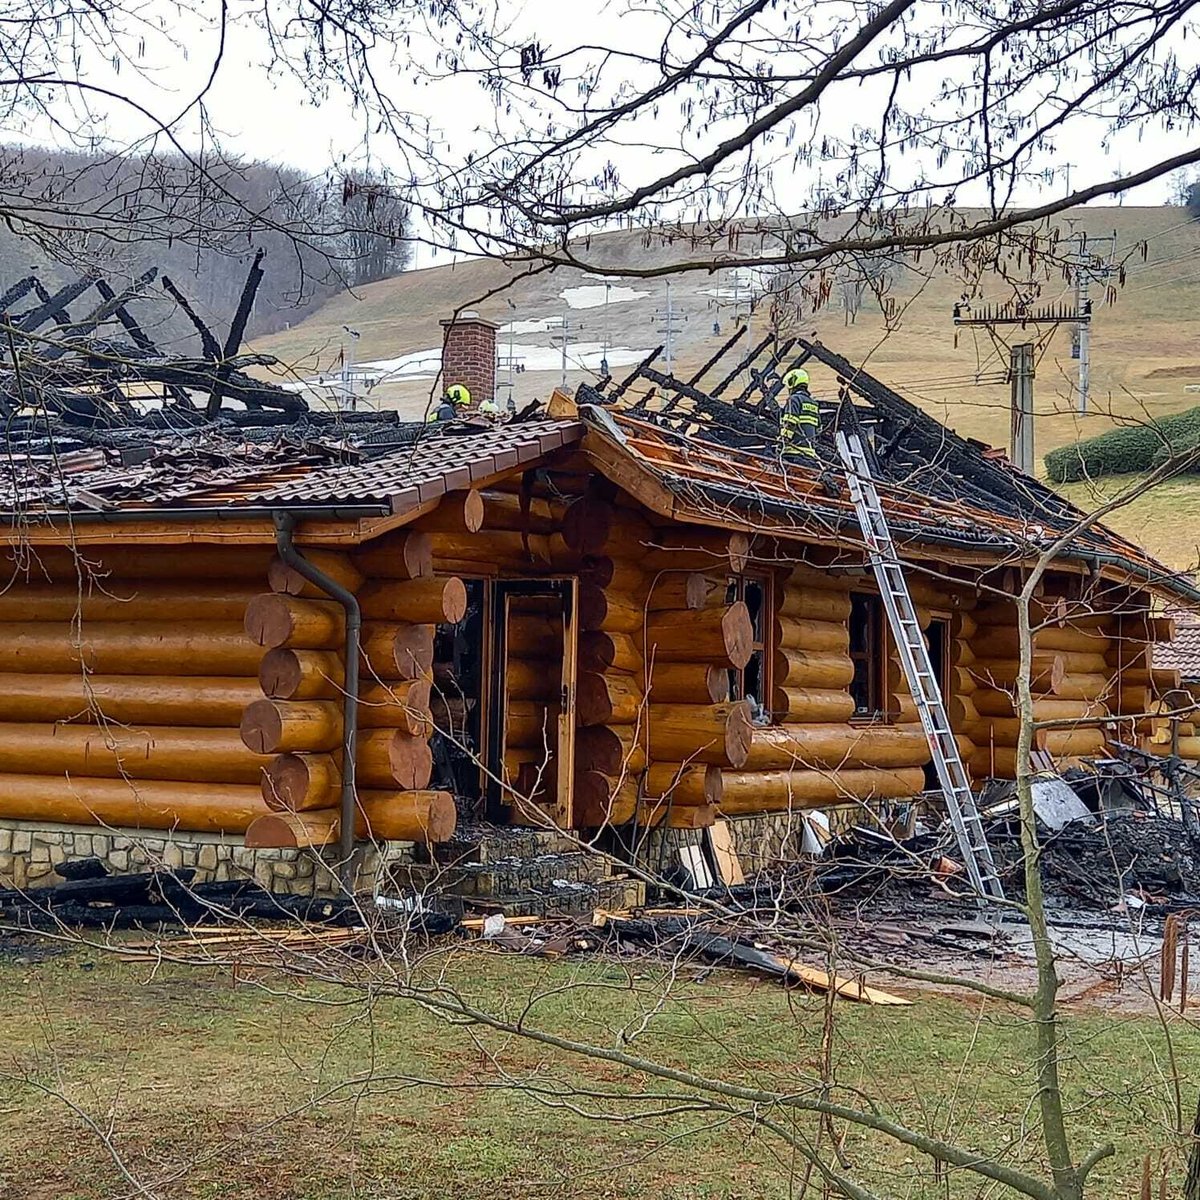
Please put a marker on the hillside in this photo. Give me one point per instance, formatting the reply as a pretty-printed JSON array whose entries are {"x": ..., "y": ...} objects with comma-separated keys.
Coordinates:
[{"x": 1144, "y": 351}]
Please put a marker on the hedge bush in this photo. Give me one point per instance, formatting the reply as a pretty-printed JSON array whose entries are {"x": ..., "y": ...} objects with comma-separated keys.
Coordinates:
[{"x": 1122, "y": 451}]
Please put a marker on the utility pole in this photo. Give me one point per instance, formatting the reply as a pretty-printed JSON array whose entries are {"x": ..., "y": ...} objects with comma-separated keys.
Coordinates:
[
  {"x": 670, "y": 329},
  {"x": 562, "y": 339},
  {"x": 1093, "y": 264},
  {"x": 349, "y": 399},
  {"x": 1021, "y": 452},
  {"x": 604, "y": 354}
]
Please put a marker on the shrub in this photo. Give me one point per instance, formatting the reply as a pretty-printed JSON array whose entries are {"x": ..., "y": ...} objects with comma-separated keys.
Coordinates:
[{"x": 1122, "y": 451}]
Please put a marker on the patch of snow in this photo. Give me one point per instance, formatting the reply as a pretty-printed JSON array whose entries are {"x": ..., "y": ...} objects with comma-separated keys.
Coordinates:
[
  {"x": 541, "y": 325},
  {"x": 581, "y": 356},
  {"x": 592, "y": 295}
]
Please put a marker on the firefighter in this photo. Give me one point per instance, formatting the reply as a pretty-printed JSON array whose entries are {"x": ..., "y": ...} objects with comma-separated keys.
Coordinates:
[
  {"x": 489, "y": 408},
  {"x": 457, "y": 397},
  {"x": 798, "y": 421}
]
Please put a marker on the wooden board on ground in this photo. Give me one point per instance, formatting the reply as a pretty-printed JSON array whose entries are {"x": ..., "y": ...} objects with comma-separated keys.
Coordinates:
[{"x": 720, "y": 842}]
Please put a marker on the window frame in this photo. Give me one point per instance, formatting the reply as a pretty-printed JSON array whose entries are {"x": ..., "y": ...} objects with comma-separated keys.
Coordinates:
[
  {"x": 764, "y": 644},
  {"x": 875, "y": 655}
]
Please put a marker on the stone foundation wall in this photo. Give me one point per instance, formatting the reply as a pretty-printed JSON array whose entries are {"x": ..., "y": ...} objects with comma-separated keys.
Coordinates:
[
  {"x": 760, "y": 840},
  {"x": 30, "y": 851}
]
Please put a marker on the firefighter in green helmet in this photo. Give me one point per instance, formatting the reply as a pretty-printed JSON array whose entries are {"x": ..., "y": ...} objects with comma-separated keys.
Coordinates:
[
  {"x": 798, "y": 421},
  {"x": 456, "y": 400}
]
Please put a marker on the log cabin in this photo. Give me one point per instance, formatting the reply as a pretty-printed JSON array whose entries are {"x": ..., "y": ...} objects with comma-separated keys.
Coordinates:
[{"x": 311, "y": 630}]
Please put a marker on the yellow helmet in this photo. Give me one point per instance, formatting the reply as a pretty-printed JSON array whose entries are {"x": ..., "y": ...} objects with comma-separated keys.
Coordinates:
[
  {"x": 458, "y": 395},
  {"x": 795, "y": 379}
]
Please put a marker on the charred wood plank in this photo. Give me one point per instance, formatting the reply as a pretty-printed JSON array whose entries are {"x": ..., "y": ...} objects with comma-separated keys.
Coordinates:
[
  {"x": 54, "y": 305},
  {"x": 237, "y": 330},
  {"x": 208, "y": 342}
]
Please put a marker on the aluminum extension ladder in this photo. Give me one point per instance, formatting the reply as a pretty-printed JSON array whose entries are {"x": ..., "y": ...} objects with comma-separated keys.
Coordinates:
[{"x": 922, "y": 682}]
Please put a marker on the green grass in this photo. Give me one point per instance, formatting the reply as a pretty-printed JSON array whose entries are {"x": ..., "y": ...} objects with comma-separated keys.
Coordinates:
[{"x": 222, "y": 1089}]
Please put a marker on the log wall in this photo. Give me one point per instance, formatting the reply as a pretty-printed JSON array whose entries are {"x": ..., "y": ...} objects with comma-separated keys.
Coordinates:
[
  {"x": 298, "y": 721},
  {"x": 124, "y": 675}
]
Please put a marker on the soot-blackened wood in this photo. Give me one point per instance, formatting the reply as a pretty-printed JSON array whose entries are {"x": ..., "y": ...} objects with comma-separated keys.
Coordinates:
[
  {"x": 758, "y": 378},
  {"x": 237, "y": 330},
  {"x": 208, "y": 342},
  {"x": 17, "y": 292},
  {"x": 57, "y": 302},
  {"x": 742, "y": 365},
  {"x": 74, "y": 330},
  {"x": 128, "y": 322}
]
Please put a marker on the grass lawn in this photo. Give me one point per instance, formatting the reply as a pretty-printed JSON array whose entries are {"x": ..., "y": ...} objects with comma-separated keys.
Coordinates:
[{"x": 220, "y": 1089}]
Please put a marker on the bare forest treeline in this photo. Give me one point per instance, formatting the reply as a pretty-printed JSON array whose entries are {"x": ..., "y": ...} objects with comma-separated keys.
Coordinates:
[{"x": 200, "y": 224}]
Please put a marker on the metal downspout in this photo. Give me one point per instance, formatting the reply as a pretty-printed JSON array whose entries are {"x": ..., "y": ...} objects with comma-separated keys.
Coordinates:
[{"x": 285, "y": 524}]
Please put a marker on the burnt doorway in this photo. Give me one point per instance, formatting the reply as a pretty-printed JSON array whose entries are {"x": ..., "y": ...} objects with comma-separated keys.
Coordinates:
[
  {"x": 531, "y": 708},
  {"x": 937, "y": 642},
  {"x": 457, "y": 702}
]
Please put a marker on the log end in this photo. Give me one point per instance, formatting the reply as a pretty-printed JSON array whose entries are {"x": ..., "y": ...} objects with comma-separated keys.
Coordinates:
[
  {"x": 291, "y": 831},
  {"x": 268, "y": 620},
  {"x": 454, "y": 600},
  {"x": 738, "y": 632},
  {"x": 280, "y": 673},
  {"x": 739, "y": 733},
  {"x": 473, "y": 511},
  {"x": 262, "y": 727}
]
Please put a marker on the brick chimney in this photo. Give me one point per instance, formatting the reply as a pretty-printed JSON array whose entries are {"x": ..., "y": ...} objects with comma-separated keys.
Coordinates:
[{"x": 469, "y": 355}]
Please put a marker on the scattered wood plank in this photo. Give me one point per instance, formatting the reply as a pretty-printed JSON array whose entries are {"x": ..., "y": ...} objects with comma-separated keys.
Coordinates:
[{"x": 720, "y": 842}]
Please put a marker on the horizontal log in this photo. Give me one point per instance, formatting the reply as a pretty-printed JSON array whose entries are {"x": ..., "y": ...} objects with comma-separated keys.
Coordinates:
[
  {"x": 293, "y": 830},
  {"x": 676, "y": 590},
  {"x": 1003, "y": 641},
  {"x": 777, "y": 747},
  {"x": 815, "y": 604},
  {"x": 707, "y": 733},
  {"x": 503, "y": 510},
  {"x": 414, "y": 816},
  {"x": 817, "y": 706},
  {"x": 301, "y": 782},
  {"x": 605, "y": 610},
  {"x": 693, "y": 549},
  {"x": 332, "y": 563},
  {"x": 534, "y": 636},
  {"x": 1047, "y": 672},
  {"x": 962, "y": 711},
  {"x": 128, "y": 803},
  {"x": 715, "y": 635},
  {"x": 1085, "y": 687},
  {"x": 129, "y": 648},
  {"x": 279, "y": 726},
  {"x": 600, "y": 650},
  {"x": 396, "y": 650},
  {"x": 273, "y": 620},
  {"x": 601, "y": 799},
  {"x": 194, "y": 754},
  {"x": 430, "y": 601},
  {"x": 1045, "y": 708},
  {"x": 404, "y": 704},
  {"x": 622, "y": 575},
  {"x": 799, "y": 633},
  {"x": 780, "y": 791},
  {"x": 685, "y": 783},
  {"x": 496, "y": 549},
  {"x": 196, "y": 700},
  {"x": 610, "y": 699},
  {"x": 458, "y": 512},
  {"x": 610, "y": 750},
  {"x": 813, "y": 668},
  {"x": 286, "y": 674},
  {"x": 62, "y": 564},
  {"x": 407, "y": 554},
  {"x": 688, "y": 683},
  {"x": 389, "y": 758},
  {"x": 587, "y": 524},
  {"x": 528, "y": 723},
  {"x": 532, "y": 679},
  {"x": 1073, "y": 743},
  {"x": 1075, "y": 662},
  {"x": 126, "y": 600}
]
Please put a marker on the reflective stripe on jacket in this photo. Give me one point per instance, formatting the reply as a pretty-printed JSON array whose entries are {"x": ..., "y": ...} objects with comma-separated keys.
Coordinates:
[{"x": 798, "y": 425}]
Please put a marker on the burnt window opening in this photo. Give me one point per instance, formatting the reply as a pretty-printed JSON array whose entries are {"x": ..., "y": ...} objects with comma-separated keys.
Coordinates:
[
  {"x": 752, "y": 682},
  {"x": 937, "y": 640},
  {"x": 867, "y": 648}
]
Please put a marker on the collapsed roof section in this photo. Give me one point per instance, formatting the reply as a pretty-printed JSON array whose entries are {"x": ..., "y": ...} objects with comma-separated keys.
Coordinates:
[
  {"x": 715, "y": 451},
  {"x": 88, "y": 369},
  {"x": 704, "y": 447}
]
